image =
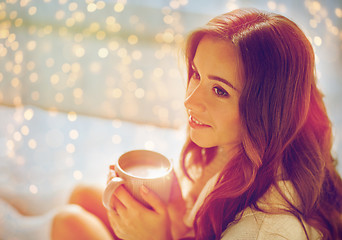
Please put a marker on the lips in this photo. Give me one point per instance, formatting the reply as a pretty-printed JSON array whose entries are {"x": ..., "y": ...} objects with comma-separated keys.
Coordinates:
[{"x": 195, "y": 123}]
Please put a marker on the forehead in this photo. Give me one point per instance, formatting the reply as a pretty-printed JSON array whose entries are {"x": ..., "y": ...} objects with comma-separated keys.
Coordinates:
[
  {"x": 218, "y": 57},
  {"x": 223, "y": 49}
]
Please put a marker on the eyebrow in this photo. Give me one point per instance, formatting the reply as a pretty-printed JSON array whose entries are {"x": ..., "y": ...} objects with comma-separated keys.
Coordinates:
[
  {"x": 216, "y": 78},
  {"x": 212, "y": 77}
]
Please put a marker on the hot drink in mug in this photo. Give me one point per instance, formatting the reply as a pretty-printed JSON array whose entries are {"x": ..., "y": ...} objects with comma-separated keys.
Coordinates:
[{"x": 141, "y": 167}]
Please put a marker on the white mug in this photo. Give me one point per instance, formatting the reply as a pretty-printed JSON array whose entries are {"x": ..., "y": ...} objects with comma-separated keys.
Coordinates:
[{"x": 141, "y": 167}]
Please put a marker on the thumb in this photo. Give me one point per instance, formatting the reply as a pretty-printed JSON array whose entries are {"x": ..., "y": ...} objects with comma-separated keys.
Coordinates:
[{"x": 153, "y": 199}]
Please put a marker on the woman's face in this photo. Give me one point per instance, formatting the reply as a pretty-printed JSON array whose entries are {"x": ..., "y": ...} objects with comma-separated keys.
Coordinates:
[{"x": 212, "y": 96}]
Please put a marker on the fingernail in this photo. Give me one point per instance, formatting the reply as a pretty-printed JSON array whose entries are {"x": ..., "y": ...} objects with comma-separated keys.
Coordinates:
[{"x": 144, "y": 189}]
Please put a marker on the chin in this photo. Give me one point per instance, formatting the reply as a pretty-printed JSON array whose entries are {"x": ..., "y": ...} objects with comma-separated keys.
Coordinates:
[{"x": 201, "y": 143}]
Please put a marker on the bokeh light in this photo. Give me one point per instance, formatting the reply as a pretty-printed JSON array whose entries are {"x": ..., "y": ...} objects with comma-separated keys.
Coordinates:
[{"x": 83, "y": 81}]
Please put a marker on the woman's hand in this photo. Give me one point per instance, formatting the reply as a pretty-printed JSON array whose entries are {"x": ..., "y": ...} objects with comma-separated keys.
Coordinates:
[
  {"x": 132, "y": 220},
  {"x": 177, "y": 210},
  {"x": 161, "y": 219}
]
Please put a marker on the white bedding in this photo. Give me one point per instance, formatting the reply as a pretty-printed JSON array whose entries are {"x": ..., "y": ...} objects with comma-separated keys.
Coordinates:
[{"x": 44, "y": 154}]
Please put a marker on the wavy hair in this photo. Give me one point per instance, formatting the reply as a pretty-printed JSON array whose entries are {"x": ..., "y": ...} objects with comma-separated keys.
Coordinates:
[{"x": 285, "y": 125}]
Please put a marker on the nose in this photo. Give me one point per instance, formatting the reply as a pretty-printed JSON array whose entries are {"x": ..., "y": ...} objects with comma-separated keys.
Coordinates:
[{"x": 195, "y": 98}]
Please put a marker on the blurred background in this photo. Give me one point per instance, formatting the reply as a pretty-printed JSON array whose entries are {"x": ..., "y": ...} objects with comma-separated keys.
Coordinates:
[{"x": 81, "y": 82}]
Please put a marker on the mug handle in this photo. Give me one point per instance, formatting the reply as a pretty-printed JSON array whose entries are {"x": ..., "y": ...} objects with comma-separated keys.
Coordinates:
[{"x": 112, "y": 185}]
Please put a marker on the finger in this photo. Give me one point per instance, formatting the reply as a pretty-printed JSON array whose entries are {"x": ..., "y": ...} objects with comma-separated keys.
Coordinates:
[
  {"x": 115, "y": 217},
  {"x": 113, "y": 213},
  {"x": 117, "y": 205},
  {"x": 111, "y": 174},
  {"x": 153, "y": 199},
  {"x": 126, "y": 198},
  {"x": 115, "y": 223}
]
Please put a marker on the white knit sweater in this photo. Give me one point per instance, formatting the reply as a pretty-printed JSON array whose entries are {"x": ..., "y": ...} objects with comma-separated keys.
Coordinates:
[{"x": 257, "y": 225}]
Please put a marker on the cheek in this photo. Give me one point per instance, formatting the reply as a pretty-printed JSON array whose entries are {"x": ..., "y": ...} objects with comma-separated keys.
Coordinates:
[{"x": 232, "y": 128}]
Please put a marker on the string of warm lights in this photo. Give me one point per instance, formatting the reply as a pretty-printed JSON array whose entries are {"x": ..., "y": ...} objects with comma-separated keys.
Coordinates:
[{"x": 111, "y": 48}]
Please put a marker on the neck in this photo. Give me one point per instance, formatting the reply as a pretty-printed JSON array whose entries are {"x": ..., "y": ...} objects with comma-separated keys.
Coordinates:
[{"x": 226, "y": 153}]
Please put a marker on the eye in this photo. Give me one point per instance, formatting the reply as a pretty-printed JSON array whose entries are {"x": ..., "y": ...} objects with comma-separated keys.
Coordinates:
[{"x": 220, "y": 92}]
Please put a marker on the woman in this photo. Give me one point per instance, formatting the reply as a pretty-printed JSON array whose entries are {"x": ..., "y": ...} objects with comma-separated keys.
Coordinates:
[{"x": 258, "y": 152}]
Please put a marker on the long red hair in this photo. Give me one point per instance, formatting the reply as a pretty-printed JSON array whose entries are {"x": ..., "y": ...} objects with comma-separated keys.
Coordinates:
[{"x": 285, "y": 127}]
